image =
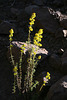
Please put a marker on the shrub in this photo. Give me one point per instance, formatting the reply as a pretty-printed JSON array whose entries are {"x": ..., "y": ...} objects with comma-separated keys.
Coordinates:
[{"x": 32, "y": 60}]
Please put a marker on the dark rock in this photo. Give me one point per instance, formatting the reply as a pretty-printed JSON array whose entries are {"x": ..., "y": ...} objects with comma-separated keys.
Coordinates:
[
  {"x": 45, "y": 20},
  {"x": 5, "y": 26},
  {"x": 64, "y": 62},
  {"x": 38, "y": 2},
  {"x": 59, "y": 33},
  {"x": 60, "y": 52},
  {"x": 58, "y": 3},
  {"x": 28, "y": 9},
  {"x": 55, "y": 61},
  {"x": 58, "y": 91},
  {"x": 65, "y": 2},
  {"x": 63, "y": 21},
  {"x": 15, "y": 11}
]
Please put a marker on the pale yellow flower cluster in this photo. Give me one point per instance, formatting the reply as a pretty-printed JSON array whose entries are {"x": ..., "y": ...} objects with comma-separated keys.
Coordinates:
[
  {"x": 32, "y": 19},
  {"x": 47, "y": 77},
  {"x": 37, "y": 38},
  {"x": 45, "y": 81},
  {"x": 11, "y": 35},
  {"x": 39, "y": 57},
  {"x": 15, "y": 70},
  {"x": 22, "y": 48}
]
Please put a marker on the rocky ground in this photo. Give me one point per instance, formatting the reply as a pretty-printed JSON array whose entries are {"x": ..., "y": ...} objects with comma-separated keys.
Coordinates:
[{"x": 52, "y": 17}]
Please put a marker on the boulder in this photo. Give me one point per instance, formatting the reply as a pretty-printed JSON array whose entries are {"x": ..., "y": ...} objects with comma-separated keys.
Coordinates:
[
  {"x": 58, "y": 3},
  {"x": 46, "y": 20},
  {"x": 28, "y": 9},
  {"x": 5, "y": 26},
  {"x": 58, "y": 91},
  {"x": 63, "y": 21},
  {"x": 55, "y": 62},
  {"x": 64, "y": 62},
  {"x": 65, "y": 2},
  {"x": 38, "y": 2},
  {"x": 15, "y": 11}
]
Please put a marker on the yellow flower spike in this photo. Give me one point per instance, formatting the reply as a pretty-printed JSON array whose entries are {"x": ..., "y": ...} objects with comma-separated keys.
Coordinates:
[
  {"x": 11, "y": 31},
  {"x": 39, "y": 57}
]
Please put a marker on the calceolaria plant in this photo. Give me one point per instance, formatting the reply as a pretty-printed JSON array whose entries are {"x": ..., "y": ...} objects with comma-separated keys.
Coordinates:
[{"x": 32, "y": 60}]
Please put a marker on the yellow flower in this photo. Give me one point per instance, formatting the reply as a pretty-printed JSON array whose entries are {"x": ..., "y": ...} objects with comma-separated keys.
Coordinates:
[
  {"x": 48, "y": 73},
  {"x": 31, "y": 23},
  {"x": 39, "y": 39},
  {"x": 10, "y": 39},
  {"x": 15, "y": 69},
  {"x": 40, "y": 31},
  {"x": 35, "y": 42},
  {"x": 44, "y": 81},
  {"x": 39, "y": 57},
  {"x": 22, "y": 51},
  {"x": 40, "y": 36},
  {"x": 40, "y": 44},
  {"x": 31, "y": 19},
  {"x": 15, "y": 73},
  {"x": 11, "y": 31},
  {"x": 10, "y": 36},
  {"x": 11, "y": 45},
  {"x": 30, "y": 28},
  {"x": 49, "y": 77},
  {"x": 33, "y": 15},
  {"x": 44, "y": 84},
  {"x": 34, "y": 53},
  {"x": 37, "y": 34}
]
